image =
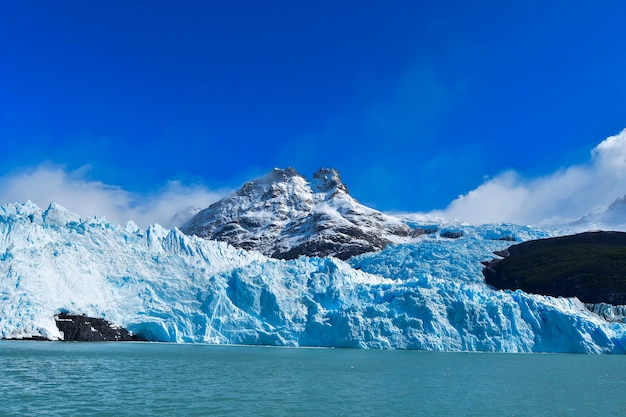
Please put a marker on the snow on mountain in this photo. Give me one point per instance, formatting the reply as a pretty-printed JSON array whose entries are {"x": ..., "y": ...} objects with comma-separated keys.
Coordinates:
[
  {"x": 184, "y": 216},
  {"x": 425, "y": 294},
  {"x": 282, "y": 215},
  {"x": 613, "y": 218}
]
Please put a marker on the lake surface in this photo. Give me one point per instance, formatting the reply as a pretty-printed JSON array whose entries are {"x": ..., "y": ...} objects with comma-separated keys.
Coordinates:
[{"x": 141, "y": 379}]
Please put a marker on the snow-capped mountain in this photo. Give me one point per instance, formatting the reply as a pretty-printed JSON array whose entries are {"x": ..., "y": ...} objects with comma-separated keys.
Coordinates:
[
  {"x": 167, "y": 286},
  {"x": 613, "y": 218},
  {"x": 283, "y": 215}
]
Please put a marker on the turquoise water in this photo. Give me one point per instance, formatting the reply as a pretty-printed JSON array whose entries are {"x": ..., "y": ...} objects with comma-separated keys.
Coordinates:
[{"x": 141, "y": 379}]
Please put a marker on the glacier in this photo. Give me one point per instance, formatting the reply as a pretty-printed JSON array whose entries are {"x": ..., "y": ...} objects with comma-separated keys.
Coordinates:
[{"x": 166, "y": 286}]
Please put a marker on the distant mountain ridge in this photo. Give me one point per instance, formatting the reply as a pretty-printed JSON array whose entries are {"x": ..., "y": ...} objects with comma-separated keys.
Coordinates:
[
  {"x": 282, "y": 215},
  {"x": 613, "y": 218}
]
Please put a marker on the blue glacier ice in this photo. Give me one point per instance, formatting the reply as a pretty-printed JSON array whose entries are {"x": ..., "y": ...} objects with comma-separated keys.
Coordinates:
[{"x": 167, "y": 286}]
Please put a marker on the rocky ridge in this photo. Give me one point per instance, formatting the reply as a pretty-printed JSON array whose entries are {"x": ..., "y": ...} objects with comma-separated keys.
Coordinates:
[{"x": 590, "y": 266}]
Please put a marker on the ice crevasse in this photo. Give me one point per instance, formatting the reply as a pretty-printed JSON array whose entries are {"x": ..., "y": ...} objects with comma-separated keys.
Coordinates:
[{"x": 167, "y": 286}]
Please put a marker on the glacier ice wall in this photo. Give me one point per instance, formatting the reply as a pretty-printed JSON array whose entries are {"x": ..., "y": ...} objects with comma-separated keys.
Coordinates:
[{"x": 171, "y": 287}]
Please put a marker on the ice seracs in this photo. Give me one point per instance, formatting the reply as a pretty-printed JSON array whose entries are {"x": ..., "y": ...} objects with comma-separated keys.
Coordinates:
[
  {"x": 282, "y": 215},
  {"x": 166, "y": 286}
]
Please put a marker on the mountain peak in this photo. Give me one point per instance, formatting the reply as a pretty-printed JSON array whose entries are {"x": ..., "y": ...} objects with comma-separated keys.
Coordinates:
[
  {"x": 282, "y": 215},
  {"x": 278, "y": 175},
  {"x": 618, "y": 204},
  {"x": 613, "y": 218},
  {"x": 327, "y": 179}
]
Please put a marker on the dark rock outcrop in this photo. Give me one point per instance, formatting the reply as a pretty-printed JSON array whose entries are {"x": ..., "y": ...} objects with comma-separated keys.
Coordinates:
[
  {"x": 451, "y": 234},
  {"x": 78, "y": 328},
  {"x": 590, "y": 266},
  {"x": 507, "y": 238}
]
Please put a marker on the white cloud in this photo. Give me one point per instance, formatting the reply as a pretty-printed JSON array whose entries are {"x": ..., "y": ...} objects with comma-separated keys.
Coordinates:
[
  {"x": 610, "y": 155},
  {"x": 561, "y": 196},
  {"x": 71, "y": 189}
]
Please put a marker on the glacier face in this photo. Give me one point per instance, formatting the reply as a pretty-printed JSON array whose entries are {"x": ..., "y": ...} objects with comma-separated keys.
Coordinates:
[{"x": 167, "y": 286}]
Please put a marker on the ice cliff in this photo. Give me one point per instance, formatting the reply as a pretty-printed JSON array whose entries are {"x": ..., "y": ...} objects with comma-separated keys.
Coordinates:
[{"x": 166, "y": 286}]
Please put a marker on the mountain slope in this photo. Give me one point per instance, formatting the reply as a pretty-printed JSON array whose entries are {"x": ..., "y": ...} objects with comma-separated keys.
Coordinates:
[
  {"x": 590, "y": 266},
  {"x": 282, "y": 215},
  {"x": 613, "y": 218}
]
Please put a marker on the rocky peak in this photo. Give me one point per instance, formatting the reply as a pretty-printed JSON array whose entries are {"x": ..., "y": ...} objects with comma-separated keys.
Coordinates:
[
  {"x": 278, "y": 175},
  {"x": 277, "y": 184},
  {"x": 327, "y": 179},
  {"x": 284, "y": 216}
]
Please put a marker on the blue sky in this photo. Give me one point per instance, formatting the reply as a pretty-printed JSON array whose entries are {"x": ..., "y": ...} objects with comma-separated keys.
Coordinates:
[{"x": 414, "y": 102}]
